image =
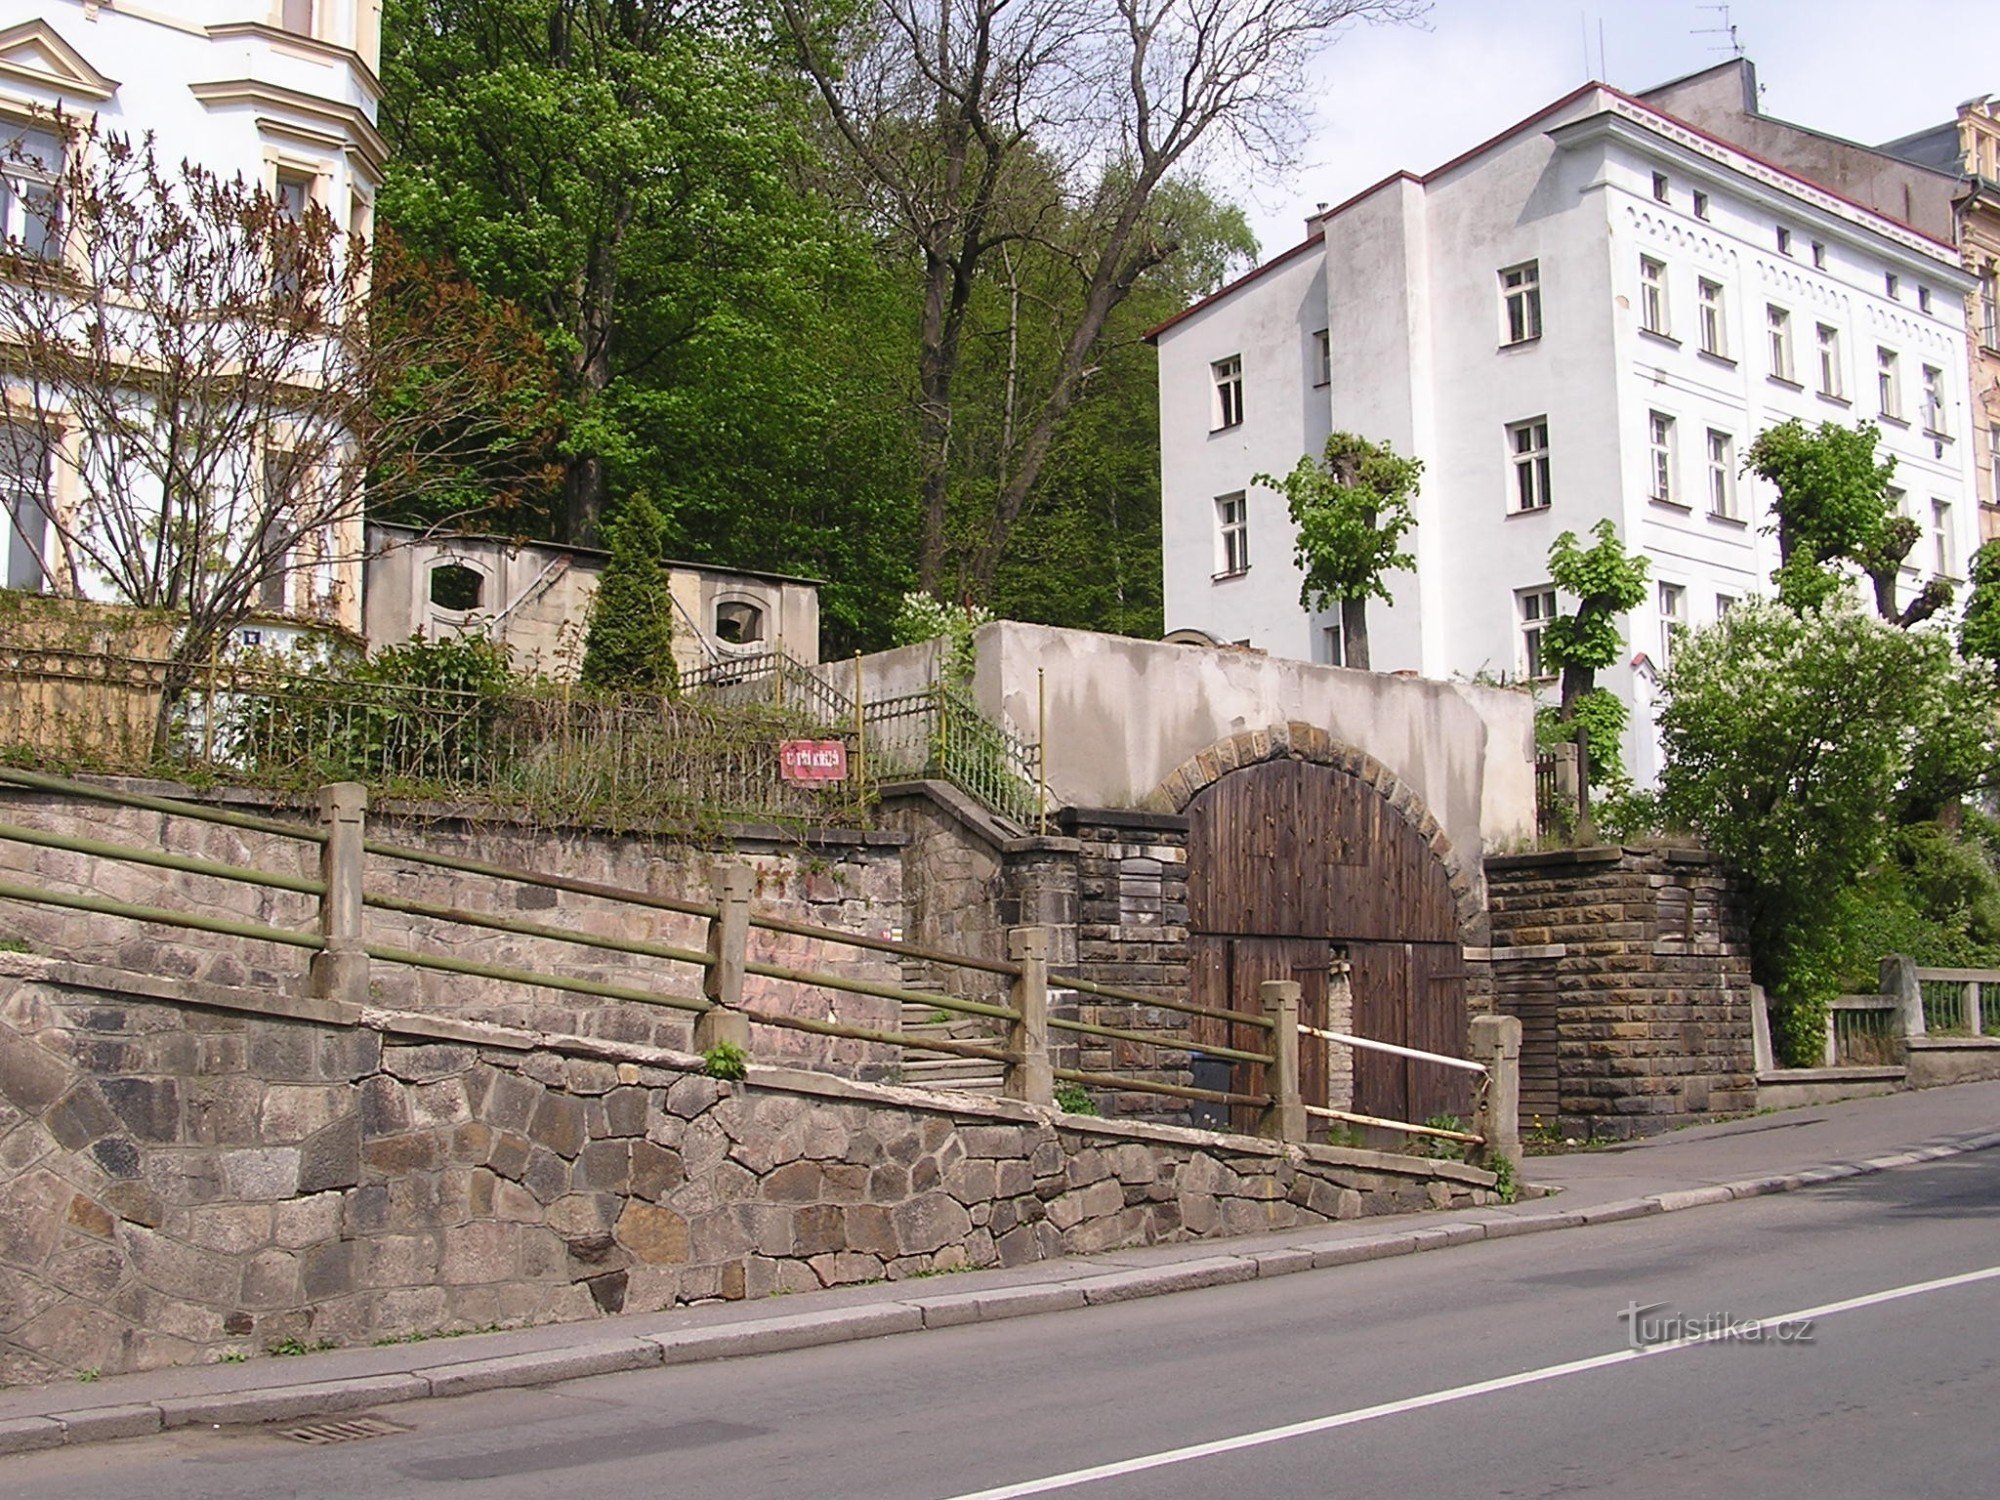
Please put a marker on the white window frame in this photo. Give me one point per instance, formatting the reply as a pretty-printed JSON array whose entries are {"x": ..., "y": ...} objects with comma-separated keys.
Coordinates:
[
  {"x": 1722, "y": 475},
  {"x": 1784, "y": 240},
  {"x": 1521, "y": 302},
  {"x": 27, "y": 502},
  {"x": 1533, "y": 610},
  {"x": 1989, "y": 308},
  {"x": 1724, "y": 603},
  {"x": 1323, "y": 358},
  {"x": 1232, "y": 535},
  {"x": 1713, "y": 306},
  {"x": 1226, "y": 379},
  {"x": 1701, "y": 205},
  {"x": 1778, "y": 328},
  {"x": 1528, "y": 458},
  {"x": 1672, "y": 601},
  {"x": 1826, "y": 338},
  {"x": 1653, "y": 308},
  {"x": 1660, "y": 458},
  {"x": 1935, "y": 416},
  {"x": 1944, "y": 547},
  {"x": 1333, "y": 643},
  {"x": 1889, "y": 383},
  {"x": 23, "y": 181},
  {"x": 1663, "y": 188}
]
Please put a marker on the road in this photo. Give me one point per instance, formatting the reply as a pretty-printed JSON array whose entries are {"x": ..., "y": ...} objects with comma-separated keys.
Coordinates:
[{"x": 1500, "y": 1368}]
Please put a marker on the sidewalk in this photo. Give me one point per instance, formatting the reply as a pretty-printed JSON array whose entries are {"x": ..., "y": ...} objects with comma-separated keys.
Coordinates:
[{"x": 1687, "y": 1169}]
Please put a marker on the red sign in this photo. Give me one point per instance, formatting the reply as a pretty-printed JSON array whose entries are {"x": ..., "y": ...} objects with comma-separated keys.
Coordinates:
[{"x": 812, "y": 760}]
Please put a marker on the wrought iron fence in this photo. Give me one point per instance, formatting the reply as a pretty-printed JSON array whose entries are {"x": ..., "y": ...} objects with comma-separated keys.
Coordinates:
[
  {"x": 773, "y": 679},
  {"x": 939, "y": 732}
]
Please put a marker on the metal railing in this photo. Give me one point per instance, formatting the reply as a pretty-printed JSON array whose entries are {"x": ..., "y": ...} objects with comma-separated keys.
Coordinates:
[
  {"x": 1396, "y": 1049},
  {"x": 939, "y": 732},
  {"x": 774, "y": 679},
  {"x": 1960, "y": 1002}
]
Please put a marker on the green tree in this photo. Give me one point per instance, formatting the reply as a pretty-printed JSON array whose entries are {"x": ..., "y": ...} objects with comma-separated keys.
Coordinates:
[
  {"x": 1351, "y": 509},
  {"x": 1979, "y": 630},
  {"x": 1833, "y": 508},
  {"x": 1606, "y": 581},
  {"x": 630, "y": 644},
  {"x": 1792, "y": 741}
]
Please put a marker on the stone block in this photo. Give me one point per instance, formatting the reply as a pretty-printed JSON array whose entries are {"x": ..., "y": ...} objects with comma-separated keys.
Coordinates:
[
  {"x": 261, "y": 1174},
  {"x": 583, "y": 1075},
  {"x": 399, "y": 1155},
  {"x": 558, "y": 1124},
  {"x": 149, "y": 1108},
  {"x": 927, "y": 1224},
  {"x": 80, "y": 1117},
  {"x": 385, "y": 1107},
  {"x": 818, "y": 1229},
  {"x": 135, "y": 1203},
  {"x": 510, "y": 1103},
  {"x": 654, "y": 1235},
  {"x": 473, "y": 1254},
  {"x": 181, "y": 1271},
  {"x": 656, "y": 1171},
  {"x": 429, "y": 1062},
  {"x": 795, "y": 1182},
  {"x": 626, "y": 1111}
]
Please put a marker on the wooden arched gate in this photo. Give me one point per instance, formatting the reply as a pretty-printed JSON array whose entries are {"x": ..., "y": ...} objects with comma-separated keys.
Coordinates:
[{"x": 1293, "y": 865}]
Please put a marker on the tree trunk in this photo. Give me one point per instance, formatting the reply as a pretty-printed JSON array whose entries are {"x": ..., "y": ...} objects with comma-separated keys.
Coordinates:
[{"x": 1354, "y": 634}]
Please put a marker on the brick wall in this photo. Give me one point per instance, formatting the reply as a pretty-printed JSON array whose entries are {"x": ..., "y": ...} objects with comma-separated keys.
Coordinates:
[{"x": 1629, "y": 970}]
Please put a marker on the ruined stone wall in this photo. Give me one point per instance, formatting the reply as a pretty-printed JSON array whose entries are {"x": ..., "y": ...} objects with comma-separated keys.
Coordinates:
[
  {"x": 837, "y": 878},
  {"x": 189, "y": 1171},
  {"x": 1630, "y": 972}
]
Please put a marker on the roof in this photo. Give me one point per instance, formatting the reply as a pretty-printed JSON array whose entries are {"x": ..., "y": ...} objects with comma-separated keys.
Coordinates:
[
  {"x": 1318, "y": 235},
  {"x": 595, "y": 555}
]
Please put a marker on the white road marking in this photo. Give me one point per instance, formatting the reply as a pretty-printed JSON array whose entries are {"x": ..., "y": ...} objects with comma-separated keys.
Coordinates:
[{"x": 1077, "y": 1477}]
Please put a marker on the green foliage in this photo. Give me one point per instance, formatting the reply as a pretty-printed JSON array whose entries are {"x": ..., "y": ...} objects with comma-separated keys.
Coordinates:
[
  {"x": 1506, "y": 1187},
  {"x": 1979, "y": 630},
  {"x": 1434, "y": 1147},
  {"x": 630, "y": 645},
  {"x": 1792, "y": 740},
  {"x": 924, "y": 617},
  {"x": 1606, "y": 581},
  {"x": 727, "y": 1061},
  {"x": 1074, "y": 1099},
  {"x": 1352, "y": 510},
  {"x": 294, "y": 1346}
]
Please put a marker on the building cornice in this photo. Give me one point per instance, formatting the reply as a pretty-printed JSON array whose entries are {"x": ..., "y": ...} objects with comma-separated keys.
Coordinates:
[
  {"x": 307, "y": 46},
  {"x": 73, "y": 73},
  {"x": 346, "y": 120}
]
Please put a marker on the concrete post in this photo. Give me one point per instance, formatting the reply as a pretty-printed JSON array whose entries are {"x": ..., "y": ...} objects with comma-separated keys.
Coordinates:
[
  {"x": 1496, "y": 1042},
  {"x": 1285, "y": 1120},
  {"x": 1760, "y": 1032},
  {"x": 1897, "y": 978},
  {"x": 728, "y": 946},
  {"x": 1031, "y": 1076},
  {"x": 339, "y": 971},
  {"x": 1975, "y": 1023}
]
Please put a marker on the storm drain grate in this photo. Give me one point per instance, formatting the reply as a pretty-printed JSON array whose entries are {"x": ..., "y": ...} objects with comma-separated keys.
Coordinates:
[{"x": 352, "y": 1430}]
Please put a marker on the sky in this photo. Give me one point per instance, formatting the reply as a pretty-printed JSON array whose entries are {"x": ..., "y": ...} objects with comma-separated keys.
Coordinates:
[{"x": 1392, "y": 97}]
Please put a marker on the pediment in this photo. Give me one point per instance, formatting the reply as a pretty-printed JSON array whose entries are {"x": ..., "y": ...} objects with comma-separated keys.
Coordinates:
[{"x": 34, "y": 52}]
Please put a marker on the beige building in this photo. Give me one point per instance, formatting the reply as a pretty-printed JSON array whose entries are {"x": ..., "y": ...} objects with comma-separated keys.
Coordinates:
[{"x": 534, "y": 598}]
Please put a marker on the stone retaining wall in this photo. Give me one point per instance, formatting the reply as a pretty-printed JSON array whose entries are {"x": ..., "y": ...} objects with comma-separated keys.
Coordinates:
[
  {"x": 840, "y": 878},
  {"x": 194, "y": 1170}
]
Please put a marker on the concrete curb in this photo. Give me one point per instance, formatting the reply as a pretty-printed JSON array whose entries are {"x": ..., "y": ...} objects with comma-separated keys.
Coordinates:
[{"x": 916, "y": 1314}]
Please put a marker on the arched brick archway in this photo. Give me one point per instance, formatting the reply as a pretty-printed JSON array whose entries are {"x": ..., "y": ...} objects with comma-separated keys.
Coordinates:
[{"x": 1304, "y": 852}]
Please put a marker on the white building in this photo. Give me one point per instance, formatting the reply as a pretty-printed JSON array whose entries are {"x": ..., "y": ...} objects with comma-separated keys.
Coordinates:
[
  {"x": 280, "y": 92},
  {"x": 1590, "y": 316}
]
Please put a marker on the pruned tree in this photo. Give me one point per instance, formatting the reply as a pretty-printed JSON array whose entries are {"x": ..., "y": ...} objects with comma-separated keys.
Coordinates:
[
  {"x": 1606, "y": 581},
  {"x": 970, "y": 126},
  {"x": 1352, "y": 510},
  {"x": 1833, "y": 508},
  {"x": 195, "y": 358},
  {"x": 630, "y": 644}
]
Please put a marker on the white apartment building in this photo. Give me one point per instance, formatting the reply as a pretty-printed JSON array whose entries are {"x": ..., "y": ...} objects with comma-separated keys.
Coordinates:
[
  {"x": 280, "y": 92},
  {"x": 1590, "y": 316}
]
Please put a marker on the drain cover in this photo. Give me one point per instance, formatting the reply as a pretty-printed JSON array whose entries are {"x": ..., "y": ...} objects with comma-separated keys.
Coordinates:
[{"x": 351, "y": 1430}]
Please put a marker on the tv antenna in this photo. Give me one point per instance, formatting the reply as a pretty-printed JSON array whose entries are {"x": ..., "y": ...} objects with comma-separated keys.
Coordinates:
[{"x": 1734, "y": 46}]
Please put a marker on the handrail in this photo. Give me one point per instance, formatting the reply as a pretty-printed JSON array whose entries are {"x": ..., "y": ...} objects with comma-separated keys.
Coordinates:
[
  {"x": 887, "y": 945},
  {"x": 469, "y": 866},
  {"x": 1391, "y": 1047},
  {"x": 1320, "y": 1111},
  {"x": 1148, "y": 1086},
  {"x": 105, "y": 906},
  {"x": 1158, "y": 1039},
  {"x": 160, "y": 859},
  {"x": 174, "y": 807},
  {"x": 1184, "y": 1007}
]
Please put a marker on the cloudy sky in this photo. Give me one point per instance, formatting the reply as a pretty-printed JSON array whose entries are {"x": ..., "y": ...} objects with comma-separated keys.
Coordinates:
[{"x": 1393, "y": 97}]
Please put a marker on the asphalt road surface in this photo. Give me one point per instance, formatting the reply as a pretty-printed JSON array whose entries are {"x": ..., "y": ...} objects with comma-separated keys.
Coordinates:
[{"x": 1865, "y": 1362}]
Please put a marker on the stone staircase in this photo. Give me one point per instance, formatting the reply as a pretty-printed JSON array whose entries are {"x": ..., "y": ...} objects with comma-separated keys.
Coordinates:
[{"x": 946, "y": 1070}]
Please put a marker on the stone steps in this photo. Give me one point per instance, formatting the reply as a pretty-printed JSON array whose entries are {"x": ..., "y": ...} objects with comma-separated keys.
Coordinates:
[{"x": 946, "y": 1070}]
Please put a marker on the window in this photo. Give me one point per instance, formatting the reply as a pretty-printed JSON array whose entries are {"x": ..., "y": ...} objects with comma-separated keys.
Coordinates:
[
  {"x": 1333, "y": 645},
  {"x": 1888, "y": 384},
  {"x": 293, "y": 194},
  {"x": 1714, "y": 325},
  {"x": 738, "y": 622},
  {"x": 1322, "y": 358},
  {"x": 1989, "y": 308},
  {"x": 1721, "y": 475},
  {"x": 1660, "y": 455},
  {"x": 1779, "y": 323},
  {"x": 1534, "y": 608},
  {"x": 1521, "y": 297},
  {"x": 1528, "y": 442},
  {"x": 296, "y": 16},
  {"x": 1923, "y": 299},
  {"x": 1673, "y": 620},
  {"x": 1945, "y": 555},
  {"x": 1818, "y": 256},
  {"x": 1724, "y": 603},
  {"x": 1934, "y": 413},
  {"x": 1228, "y": 377},
  {"x": 281, "y": 478},
  {"x": 1829, "y": 361},
  {"x": 25, "y": 470},
  {"x": 1652, "y": 295},
  {"x": 30, "y": 219},
  {"x": 1232, "y": 536},
  {"x": 1893, "y": 285},
  {"x": 1993, "y": 458},
  {"x": 1701, "y": 205},
  {"x": 1898, "y": 502},
  {"x": 1784, "y": 240},
  {"x": 455, "y": 586},
  {"x": 1662, "y": 188}
]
